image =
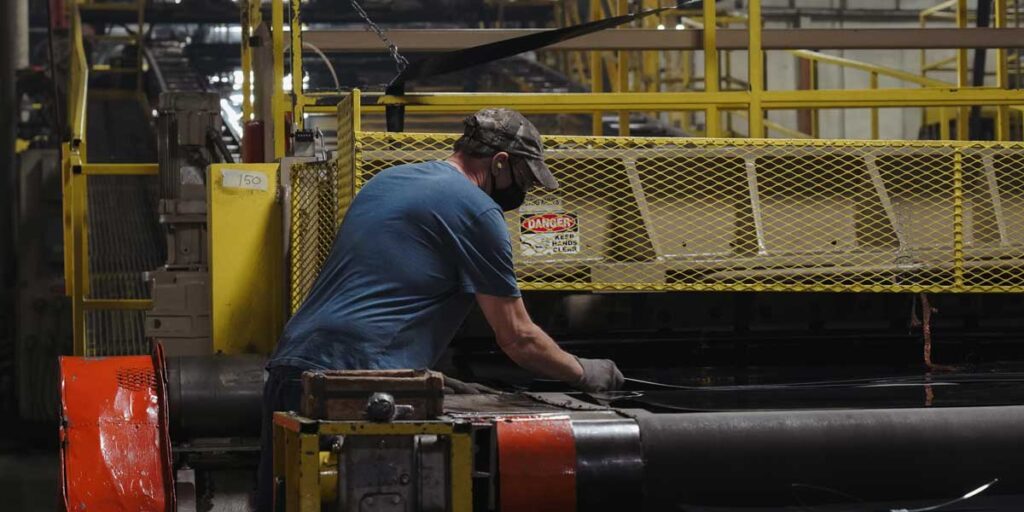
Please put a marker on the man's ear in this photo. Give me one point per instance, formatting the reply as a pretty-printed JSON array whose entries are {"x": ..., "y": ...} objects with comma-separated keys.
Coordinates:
[{"x": 499, "y": 162}]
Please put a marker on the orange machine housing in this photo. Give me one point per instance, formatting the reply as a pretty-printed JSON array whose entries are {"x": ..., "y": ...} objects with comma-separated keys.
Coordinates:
[{"x": 115, "y": 449}]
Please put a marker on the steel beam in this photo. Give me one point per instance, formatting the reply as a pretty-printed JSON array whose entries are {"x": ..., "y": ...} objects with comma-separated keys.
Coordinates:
[{"x": 437, "y": 40}]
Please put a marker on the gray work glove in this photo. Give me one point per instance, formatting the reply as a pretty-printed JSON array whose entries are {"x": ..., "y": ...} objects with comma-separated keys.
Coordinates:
[
  {"x": 458, "y": 387},
  {"x": 599, "y": 375}
]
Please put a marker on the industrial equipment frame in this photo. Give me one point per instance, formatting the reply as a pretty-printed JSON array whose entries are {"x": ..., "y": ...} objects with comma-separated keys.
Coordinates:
[
  {"x": 605, "y": 178},
  {"x": 298, "y": 464},
  {"x": 712, "y": 100},
  {"x": 76, "y": 169}
]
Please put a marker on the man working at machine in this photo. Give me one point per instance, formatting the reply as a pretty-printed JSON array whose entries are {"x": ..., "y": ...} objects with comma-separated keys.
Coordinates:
[{"x": 418, "y": 243}]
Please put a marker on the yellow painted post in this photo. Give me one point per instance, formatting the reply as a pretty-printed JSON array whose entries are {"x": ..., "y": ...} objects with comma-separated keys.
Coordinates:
[
  {"x": 755, "y": 61},
  {"x": 297, "y": 97},
  {"x": 962, "y": 128},
  {"x": 622, "y": 77},
  {"x": 596, "y": 72},
  {"x": 923, "y": 61},
  {"x": 727, "y": 78},
  {"x": 246, "y": 9},
  {"x": 247, "y": 286},
  {"x": 1002, "y": 131},
  {"x": 79, "y": 260},
  {"x": 874, "y": 110},
  {"x": 685, "y": 82},
  {"x": 815, "y": 115},
  {"x": 309, "y": 472},
  {"x": 280, "y": 467},
  {"x": 279, "y": 107},
  {"x": 712, "y": 120},
  {"x": 651, "y": 60},
  {"x": 462, "y": 472},
  {"x": 67, "y": 219},
  {"x": 958, "y": 220}
]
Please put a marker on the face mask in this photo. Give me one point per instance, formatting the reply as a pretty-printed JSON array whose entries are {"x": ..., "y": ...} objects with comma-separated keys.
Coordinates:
[{"x": 510, "y": 197}]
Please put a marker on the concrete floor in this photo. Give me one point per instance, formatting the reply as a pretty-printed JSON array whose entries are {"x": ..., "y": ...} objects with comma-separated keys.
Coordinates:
[{"x": 30, "y": 481}]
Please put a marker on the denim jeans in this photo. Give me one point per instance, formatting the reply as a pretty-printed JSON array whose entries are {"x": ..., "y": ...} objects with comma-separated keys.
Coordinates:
[{"x": 282, "y": 392}]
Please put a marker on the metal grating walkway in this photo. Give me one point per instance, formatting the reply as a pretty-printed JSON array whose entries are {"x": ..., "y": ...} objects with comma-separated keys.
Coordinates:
[{"x": 124, "y": 236}]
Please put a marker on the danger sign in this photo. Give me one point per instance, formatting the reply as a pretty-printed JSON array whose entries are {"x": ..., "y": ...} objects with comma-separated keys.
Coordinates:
[
  {"x": 549, "y": 233},
  {"x": 549, "y": 223}
]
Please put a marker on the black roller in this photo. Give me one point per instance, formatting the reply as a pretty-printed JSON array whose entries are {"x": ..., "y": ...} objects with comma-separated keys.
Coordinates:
[
  {"x": 215, "y": 396},
  {"x": 609, "y": 464},
  {"x": 765, "y": 458}
]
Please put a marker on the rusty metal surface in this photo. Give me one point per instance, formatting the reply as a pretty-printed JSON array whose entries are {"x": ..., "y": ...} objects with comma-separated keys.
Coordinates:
[
  {"x": 536, "y": 458},
  {"x": 112, "y": 444}
]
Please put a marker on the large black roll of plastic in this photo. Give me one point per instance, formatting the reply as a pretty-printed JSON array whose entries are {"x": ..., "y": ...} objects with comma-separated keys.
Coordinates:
[
  {"x": 874, "y": 455},
  {"x": 215, "y": 396}
]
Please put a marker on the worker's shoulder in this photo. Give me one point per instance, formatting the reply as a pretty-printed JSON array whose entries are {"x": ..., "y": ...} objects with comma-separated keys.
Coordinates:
[
  {"x": 424, "y": 176},
  {"x": 440, "y": 186}
]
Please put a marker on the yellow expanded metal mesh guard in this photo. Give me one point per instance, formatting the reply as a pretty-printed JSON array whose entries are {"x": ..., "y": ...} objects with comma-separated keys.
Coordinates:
[{"x": 643, "y": 214}]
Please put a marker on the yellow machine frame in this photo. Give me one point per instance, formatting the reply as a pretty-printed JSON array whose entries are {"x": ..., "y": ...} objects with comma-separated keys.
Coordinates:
[{"x": 306, "y": 475}]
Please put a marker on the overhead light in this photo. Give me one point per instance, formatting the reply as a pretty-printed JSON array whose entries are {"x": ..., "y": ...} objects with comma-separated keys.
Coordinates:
[
  {"x": 661, "y": 27},
  {"x": 680, "y": 26}
]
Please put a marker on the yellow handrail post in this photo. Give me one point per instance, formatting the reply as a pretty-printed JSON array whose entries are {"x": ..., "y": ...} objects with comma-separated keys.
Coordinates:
[
  {"x": 755, "y": 61},
  {"x": 596, "y": 77},
  {"x": 924, "y": 73},
  {"x": 79, "y": 257},
  {"x": 279, "y": 108},
  {"x": 250, "y": 13},
  {"x": 711, "y": 121},
  {"x": 874, "y": 111},
  {"x": 962, "y": 132},
  {"x": 1002, "y": 131},
  {"x": 815, "y": 113},
  {"x": 943, "y": 123},
  {"x": 622, "y": 80},
  {"x": 296, "y": 43}
]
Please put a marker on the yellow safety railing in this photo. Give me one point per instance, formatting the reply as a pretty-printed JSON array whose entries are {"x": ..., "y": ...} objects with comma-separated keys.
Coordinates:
[
  {"x": 661, "y": 214},
  {"x": 75, "y": 170},
  {"x": 641, "y": 85},
  {"x": 957, "y": 11}
]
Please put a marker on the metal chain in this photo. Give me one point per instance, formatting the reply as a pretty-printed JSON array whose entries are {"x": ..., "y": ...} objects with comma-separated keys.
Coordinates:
[{"x": 400, "y": 62}]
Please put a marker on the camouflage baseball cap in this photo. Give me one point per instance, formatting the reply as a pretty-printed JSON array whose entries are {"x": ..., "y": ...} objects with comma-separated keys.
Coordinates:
[{"x": 507, "y": 130}]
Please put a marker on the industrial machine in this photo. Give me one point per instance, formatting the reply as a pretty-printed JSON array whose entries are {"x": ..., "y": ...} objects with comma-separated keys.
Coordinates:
[
  {"x": 641, "y": 230},
  {"x": 639, "y": 222}
]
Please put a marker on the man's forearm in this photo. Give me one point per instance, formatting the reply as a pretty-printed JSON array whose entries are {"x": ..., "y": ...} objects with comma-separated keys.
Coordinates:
[{"x": 535, "y": 351}]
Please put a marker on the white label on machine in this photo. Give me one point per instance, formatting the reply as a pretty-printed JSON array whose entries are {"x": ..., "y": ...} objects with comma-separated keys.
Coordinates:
[
  {"x": 249, "y": 180},
  {"x": 545, "y": 234}
]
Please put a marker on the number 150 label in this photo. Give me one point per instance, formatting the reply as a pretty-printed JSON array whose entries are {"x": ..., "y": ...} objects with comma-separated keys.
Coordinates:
[{"x": 250, "y": 180}]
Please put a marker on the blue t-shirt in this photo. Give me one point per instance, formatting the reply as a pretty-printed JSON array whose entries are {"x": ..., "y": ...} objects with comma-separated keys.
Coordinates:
[{"x": 415, "y": 245}]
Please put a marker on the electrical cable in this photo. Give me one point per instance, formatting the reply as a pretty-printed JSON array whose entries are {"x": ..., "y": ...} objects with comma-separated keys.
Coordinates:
[
  {"x": 327, "y": 62},
  {"x": 323, "y": 57}
]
